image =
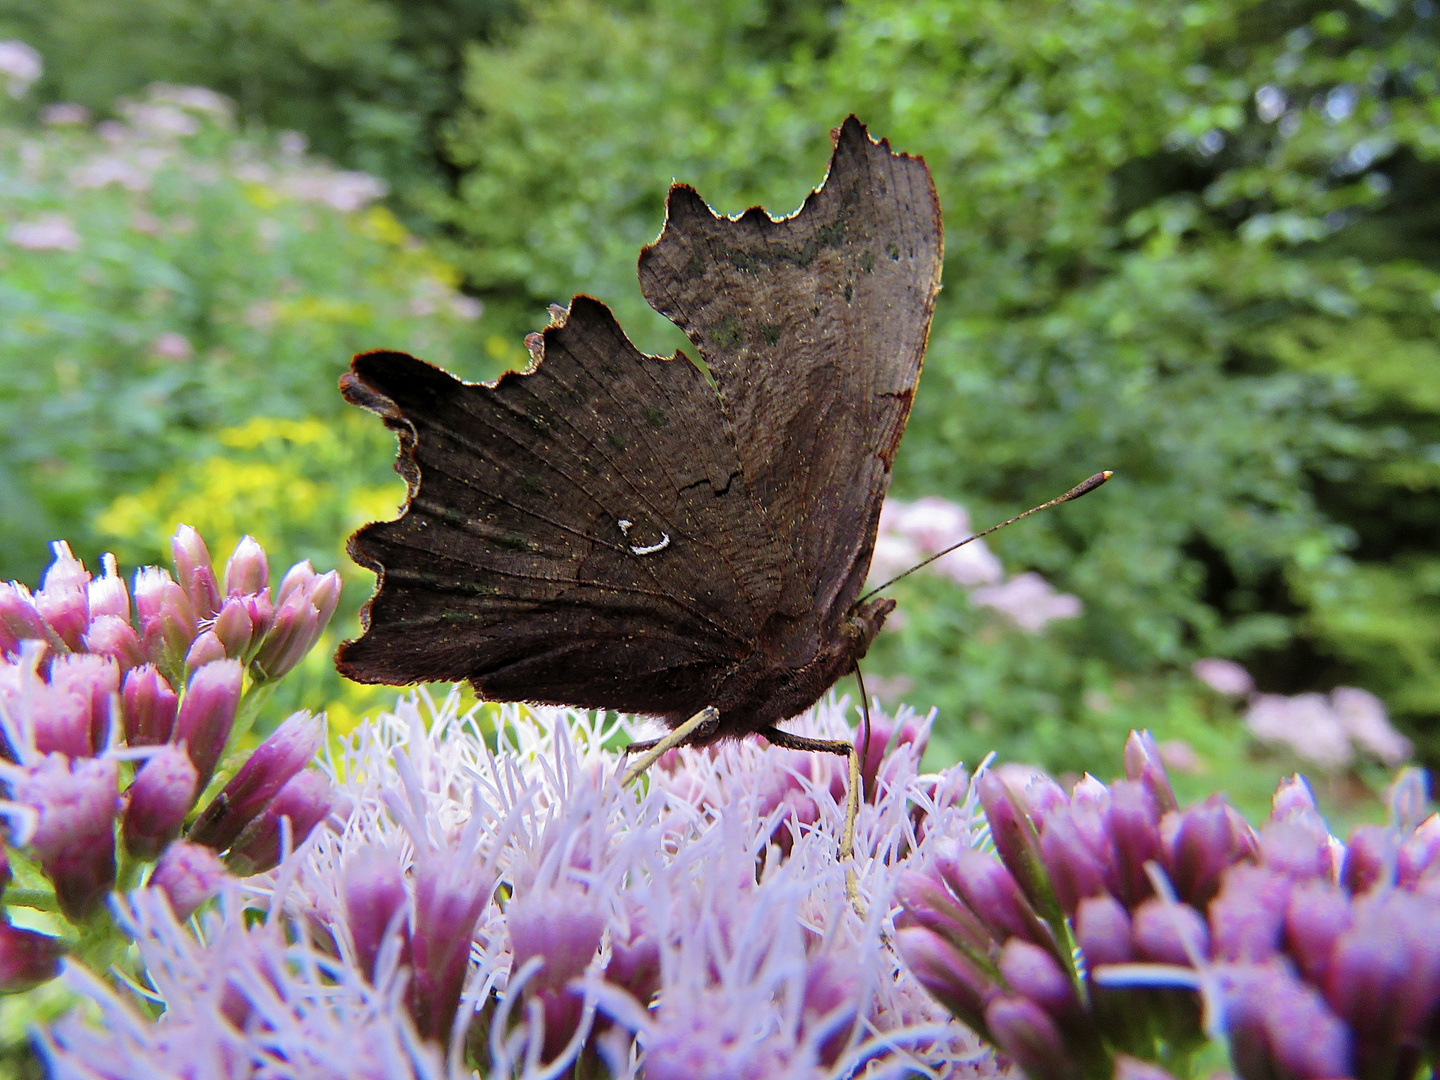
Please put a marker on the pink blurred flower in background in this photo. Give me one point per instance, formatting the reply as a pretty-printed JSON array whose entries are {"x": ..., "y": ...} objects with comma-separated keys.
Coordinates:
[
  {"x": 1029, "y": 601},
  {"x": 173, "y": 346},
  {"x": 20, "y": 65},
  {"x": 51, "y": 232},
  {"x": 1223, "y": 676}
]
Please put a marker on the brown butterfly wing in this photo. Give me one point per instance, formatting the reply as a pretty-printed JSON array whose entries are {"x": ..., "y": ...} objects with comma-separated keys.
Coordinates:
[
  {"x": 510, "y": 566},
  {"x": 814, "y": 327}
]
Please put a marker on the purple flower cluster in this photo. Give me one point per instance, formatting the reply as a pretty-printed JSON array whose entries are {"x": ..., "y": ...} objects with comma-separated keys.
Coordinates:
[
  {"x": 1114, "y": 923},
  {"x": 93, "y": 697},
  {"x": 495, "y": 902}
]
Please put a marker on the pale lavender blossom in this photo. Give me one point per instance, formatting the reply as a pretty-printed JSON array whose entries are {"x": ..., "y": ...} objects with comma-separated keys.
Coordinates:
[
  {"x": 65, "y": 114},
  {"x": 1365, "y": 720},
  {"x": 172, "y": 346},
  {"x": 1029, "y": 601},
  {"x": 1223, "y": 676},
  {"x": 20, "y": 66},
  {"x": 1328, "y": 731},
  {"x": 49, "y": 232}
]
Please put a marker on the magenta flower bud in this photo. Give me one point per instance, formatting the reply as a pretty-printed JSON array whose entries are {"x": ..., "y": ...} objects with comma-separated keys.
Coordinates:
[
  {"x": 207, "y": 714},
  {"x": 447, "y": 906},
  {"x": 561, "y": 925},
  {"x": 1294, "y": 801},
  {"x": 27, "y": 958},
  {"x": 107, "y": 593},
  {"x": 21, "y": 619},
  {"x": 247, "y": 570},
  {"x": 1371, "y": 856},
  {"x": 1044, "y": 798},
  {"x": 1420, "y": 853},
  {"x": 1075, "y": 870},
  {"x": 1318, "y": 913},
  {"x": 72, "y": 710},
  {"x": 289, "y": 749},
  {"x": 205, "y": 648},
  {"x": 1143, "y": 764},
  {"x": 299, "y": 578},
  {"x": 1134, "y": 821},
  {"x": 149, "y": 707},
  {"x": 829, "y": 988},
  {"x": 927, "y": 902},
  {"x": 1026, "y": 1035},
  {"x": 1102, "y": 928},
  {"x": 990, "y": 891},
  {"x": 883, "y": 737},
  {"x": 188, "y": 875},
  {"x": 63, "y": 599},
  {"x": 157, "y": 802},
  {"x": 167, "y": 618},
  {"x": 291, "y": 635},
  {"x": 635, "y": 963},
  {"x": 75, "y": 802},
  {"x": 305, "y": 801},
  {"x": 1247, "y": 919},
  {"x": 1015, "y": 839},
  {"x": 194, "y": 572},
  {"x": 1169, "y": 933},
  {"x": 1276, "y": 1025},
  {"x": 1294, "y": 850},
  {"x": 1384, "y": 972},
  {"x": 237, "y": 628},
  {"x": 1409, "y": 798},
  {"x": 1205, "y": 846},
  {"x": 950, "y": 976},
  {"x": 1131, "y": 1068},
  {"x": 373, "y": 893},
  {"x": 1033, "y": 973},
  {"x": 112, "y": 636}
]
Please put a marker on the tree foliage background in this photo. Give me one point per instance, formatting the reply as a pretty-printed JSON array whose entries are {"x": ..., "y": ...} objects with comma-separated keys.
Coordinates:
[{"x": 1194, "y": 242}]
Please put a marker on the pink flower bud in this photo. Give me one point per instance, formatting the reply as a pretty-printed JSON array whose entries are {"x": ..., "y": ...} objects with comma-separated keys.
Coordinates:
[
  {"x": 205, "y": 648},
  {"x": 305, "y": 801},
  {"x": 1015, "y": 838},
  {"x": 1143, "y": 764},
  {"x": 194, "y": 572},
  {"x": 74, "y": 839},
  {"x": 1168, "y": 933},
  {"x": 883, "y": 737},
  {"x": 927, "y": 902},
  {"x": 207, "y": 714},
  {"x": 112, "y": 636},
  {"x": 989, "y": 889},
  {"x": 1294, "y": 850},
  {"x": 107, "y": 593},
  {"x": 1075, "y": 871},
  {"x": 299, "y": 620},
  {"x": 1247, "y": 919},
  {"x": 447, "y": 906},
  {"x": 1026, "y": 1035},
  {"x": 167, "y": 618},
  {"x": 1134, "y": 821},
  {"x": 635, "y": 963},
  {"x": 830, "y": 989},
  {"x": 1276, "y": 1025},
  {"x": 1419, "y": 854},
  {"x": 63, "y": 599},
  {"x": 149, "y": 706},
  {"x": 27, "y": 958},
  {"x": 157, "y": 802},
  {"x": 247, "y": 571},
  {"x": 951, "y": 977},
  {"x": 299, "y": 578},
  {"x": 72, "y": 714},
  {"x": 1318, "y": 913},
  {"x": 562, "y": 925},
  {"x": 1384, "y": 971},
  {"x": 288, "y": 750},
  {"x": 21, "y": 620},
  {"x": 1409, "y": 798},
  {"x": 242, "y": 623},
  {"x": 188, "y": 875},
  {"x": 1206, "y": 844},
  {"x": 1033, "y": 973},
  {"x": 1371, "y": 856},
  {"x": 1130, "y": 1068},
  {"x": 1102, "y": 927},
  {"x": 373, "y": 892}
]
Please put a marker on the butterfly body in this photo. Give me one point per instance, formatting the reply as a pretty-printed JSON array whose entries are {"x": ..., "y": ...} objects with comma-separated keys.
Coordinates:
[{"x": 614, "y": 530}]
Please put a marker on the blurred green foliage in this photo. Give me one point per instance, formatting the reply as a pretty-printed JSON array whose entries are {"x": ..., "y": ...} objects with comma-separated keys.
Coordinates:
[
  {"x": 369, "y": 81},
  {"x": 164, "y": 279},
  {"x": 1192, "y": 242}
]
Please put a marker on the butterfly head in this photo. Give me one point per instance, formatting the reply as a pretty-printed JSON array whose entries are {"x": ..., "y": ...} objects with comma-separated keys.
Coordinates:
[{"x": 864, "y": 622}]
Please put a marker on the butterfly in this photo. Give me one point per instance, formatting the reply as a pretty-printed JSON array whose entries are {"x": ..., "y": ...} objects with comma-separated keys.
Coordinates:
[{"x": 613, "y": 530}]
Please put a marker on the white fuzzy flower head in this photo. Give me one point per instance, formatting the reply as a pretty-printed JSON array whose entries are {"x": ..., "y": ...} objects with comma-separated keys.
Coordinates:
[{"x": 20, "y": 66}]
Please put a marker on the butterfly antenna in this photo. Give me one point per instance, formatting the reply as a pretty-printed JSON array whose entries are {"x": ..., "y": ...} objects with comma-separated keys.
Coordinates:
[{"x": 1083, "y": 488}]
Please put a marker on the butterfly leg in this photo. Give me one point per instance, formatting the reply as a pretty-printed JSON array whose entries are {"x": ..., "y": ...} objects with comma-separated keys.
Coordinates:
[
  {"x": 698, "y": 726},
  {"x": 787, "y": 741}
]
